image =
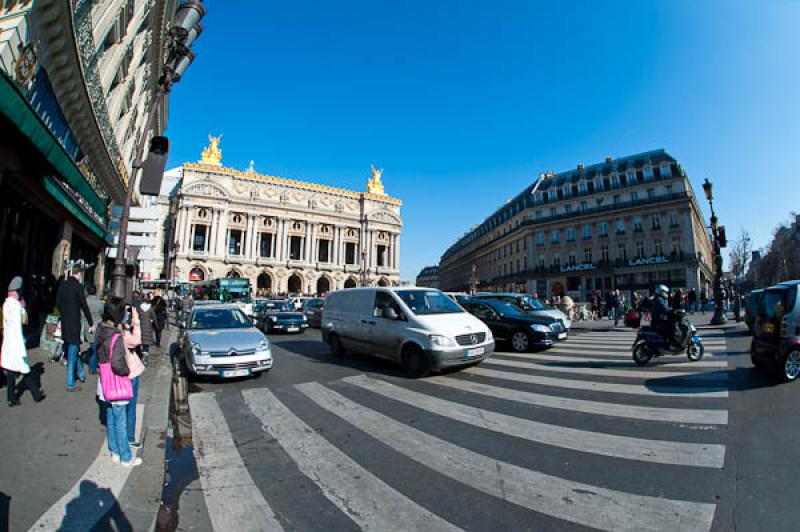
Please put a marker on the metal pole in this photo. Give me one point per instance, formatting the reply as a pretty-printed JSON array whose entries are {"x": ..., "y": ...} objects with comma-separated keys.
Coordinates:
[
  {"x": 118, "y": 277},
  {"x": 719, "y": 312}
]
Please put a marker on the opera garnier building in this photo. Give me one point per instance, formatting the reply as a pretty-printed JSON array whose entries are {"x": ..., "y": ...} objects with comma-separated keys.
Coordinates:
[
  {"x": 627, "y": 223},
  {"x": 286, "y": 236}
]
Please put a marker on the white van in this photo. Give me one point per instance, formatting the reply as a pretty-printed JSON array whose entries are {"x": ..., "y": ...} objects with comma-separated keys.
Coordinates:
[{"x": 421, "y": 328}]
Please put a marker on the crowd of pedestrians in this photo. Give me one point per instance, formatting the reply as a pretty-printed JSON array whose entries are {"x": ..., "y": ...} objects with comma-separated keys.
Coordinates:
[{"x": 119, "y": 337}]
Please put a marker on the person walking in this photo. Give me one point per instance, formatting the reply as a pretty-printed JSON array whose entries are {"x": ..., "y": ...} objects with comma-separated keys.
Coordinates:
[
  {"x": 147, "y": 327},
  {"x": 14, "y": 357},
  {"x": 692, "y": 299},
  {"x": 616, "y": 302},
  {"x": 160, "y": 319},
  {"x": 96, "y": 310},
  {"x": 111, "y": 349},
  {"x": 70, "y": 301},
  {"x": 132, "y": 334}
]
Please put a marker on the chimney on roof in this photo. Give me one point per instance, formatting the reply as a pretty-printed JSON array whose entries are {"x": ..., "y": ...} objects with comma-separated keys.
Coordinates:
[
  {"x": 581, "y": 167},
  {"x": 609, "y": 160}
]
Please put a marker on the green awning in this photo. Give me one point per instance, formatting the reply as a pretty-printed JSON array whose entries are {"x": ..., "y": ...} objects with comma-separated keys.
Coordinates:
[
  {"x": 16, "y": 107},
  {"x": 52, "y": 186}
]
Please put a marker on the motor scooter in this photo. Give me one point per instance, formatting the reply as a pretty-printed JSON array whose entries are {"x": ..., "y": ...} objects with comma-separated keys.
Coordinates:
[{"x": 650, "y": 344}]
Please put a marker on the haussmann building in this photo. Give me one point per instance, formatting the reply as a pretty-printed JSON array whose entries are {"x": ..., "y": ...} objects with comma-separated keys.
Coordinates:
[{"x": 629, "y": 223}]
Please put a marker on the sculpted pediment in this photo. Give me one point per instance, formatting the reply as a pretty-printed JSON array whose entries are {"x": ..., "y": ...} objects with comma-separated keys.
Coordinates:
[
  {"x": 206, "y": 189},
  {"x": 384, "y": 216}
]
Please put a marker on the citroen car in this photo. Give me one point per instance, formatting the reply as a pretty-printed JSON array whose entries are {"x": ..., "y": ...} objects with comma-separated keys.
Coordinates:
[{"x": 220, "y": 340}]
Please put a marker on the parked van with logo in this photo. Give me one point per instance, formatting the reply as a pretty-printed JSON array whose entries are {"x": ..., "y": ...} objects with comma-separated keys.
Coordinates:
[{"x": 421, "y": 328}]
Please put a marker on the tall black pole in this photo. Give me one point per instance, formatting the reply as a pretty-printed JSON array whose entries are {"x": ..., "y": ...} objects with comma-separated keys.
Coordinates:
[{"x": 719, "y": 309}]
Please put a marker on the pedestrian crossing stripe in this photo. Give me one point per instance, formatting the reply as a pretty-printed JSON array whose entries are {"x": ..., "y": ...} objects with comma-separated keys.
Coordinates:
[
  {"x": 233, "y": 500},
  {"x": 606, "y": 387},
  {"x": 657, "y": 451},
  {"x": 568, "y": 500},
  {"x": 693, "y": 416},
  {"x": 627, "y": 363},
  {"x": 604, "y": 372},
  {"x": 350, "y": 487}
]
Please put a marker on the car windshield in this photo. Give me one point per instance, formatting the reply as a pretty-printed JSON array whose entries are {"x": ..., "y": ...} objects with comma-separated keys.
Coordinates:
[
  {"x": 505, "y": 309},
  {"x": 428, "y": 302},
  {"x": 531, "y": 303},
  {"x": 778, "y": 302},
  {"x": 278, "y": 306},
  {"x": 220, "y": 318}
]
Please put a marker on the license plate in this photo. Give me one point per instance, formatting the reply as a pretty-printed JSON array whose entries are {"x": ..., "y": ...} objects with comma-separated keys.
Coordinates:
[
  {"x": 292, "y": 329},
  {"x": 478, "y": 351},
  {"x": 561, "y": 336},
  {"x": 236, "y": 373}
]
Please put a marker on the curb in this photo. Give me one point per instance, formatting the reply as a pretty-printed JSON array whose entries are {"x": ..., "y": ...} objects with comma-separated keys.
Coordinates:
[{"x": 141, "y": 499}]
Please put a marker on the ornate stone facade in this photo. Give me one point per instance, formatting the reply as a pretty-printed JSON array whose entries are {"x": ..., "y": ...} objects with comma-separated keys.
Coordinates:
[{"x": 286, "y": 236}]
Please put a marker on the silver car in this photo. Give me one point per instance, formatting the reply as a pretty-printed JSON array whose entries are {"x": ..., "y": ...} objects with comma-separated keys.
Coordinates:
[{"x": 220, "y": 340}]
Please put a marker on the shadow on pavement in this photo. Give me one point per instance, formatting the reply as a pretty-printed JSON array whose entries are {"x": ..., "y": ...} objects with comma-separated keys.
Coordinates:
[
  {"x": 5, "y": 512},
  {"x": 320, "y": 353},
  {"x": 94, "y": 509},
  {"x": 739, "y": 379}
]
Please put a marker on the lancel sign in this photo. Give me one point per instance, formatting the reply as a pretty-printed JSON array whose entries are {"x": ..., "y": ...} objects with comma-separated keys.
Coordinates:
[{"x": 658, "y": 259}]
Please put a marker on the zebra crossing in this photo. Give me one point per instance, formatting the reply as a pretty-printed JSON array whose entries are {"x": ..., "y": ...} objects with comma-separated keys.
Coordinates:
[{"x": 570, "y": 438}]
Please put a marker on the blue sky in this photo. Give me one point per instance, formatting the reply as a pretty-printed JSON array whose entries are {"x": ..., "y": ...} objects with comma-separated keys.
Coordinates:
[{"x": 463, "y": 102}]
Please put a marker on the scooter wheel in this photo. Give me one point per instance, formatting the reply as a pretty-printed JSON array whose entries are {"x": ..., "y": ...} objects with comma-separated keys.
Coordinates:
[
  {"x": 695, "y": 352},
  {"x": 641, "y": 355}
]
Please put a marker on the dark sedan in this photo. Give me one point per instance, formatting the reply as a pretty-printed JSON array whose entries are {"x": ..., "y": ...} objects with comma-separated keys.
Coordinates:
[
  {"x": 281, "y": 316},
  {"x": 313, "y": 311},
  {"x": 523, "y": 331}
]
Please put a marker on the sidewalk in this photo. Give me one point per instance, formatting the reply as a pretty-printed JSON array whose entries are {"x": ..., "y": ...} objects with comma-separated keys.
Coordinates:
[
  {"x": 57, "y": 473},
  {"x": 701, "y": 321}
]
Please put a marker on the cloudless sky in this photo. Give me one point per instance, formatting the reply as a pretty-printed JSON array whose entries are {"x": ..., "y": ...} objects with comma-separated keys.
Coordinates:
[{"x": 464, "y": 102}]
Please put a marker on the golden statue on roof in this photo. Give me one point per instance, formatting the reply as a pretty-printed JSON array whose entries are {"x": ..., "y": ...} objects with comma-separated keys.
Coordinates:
[
  {"x": 211, "y": 153},
  {"x": 374, "y": 185}
]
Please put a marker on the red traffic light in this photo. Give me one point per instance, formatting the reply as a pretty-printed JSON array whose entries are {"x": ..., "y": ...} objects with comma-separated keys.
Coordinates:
[{"x": 723, "y": 241}]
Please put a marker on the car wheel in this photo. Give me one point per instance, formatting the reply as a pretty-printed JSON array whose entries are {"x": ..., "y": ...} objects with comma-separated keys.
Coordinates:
[
  {"x": 520, "y": 341},
  {"x": 414, "y": 363},
  {"x": 337, "y": 349},
  {"x": 791, "y": 365}
]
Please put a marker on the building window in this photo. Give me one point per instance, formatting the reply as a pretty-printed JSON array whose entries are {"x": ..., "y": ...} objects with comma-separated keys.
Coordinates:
[
  {"x": 634, "y": 196},
  {"x": 665, "y": 170},
  {"x": 617, "y": 199},
  {"x": 235, "y": 242},
  {"x": 570, "y": 234},
  {"x": 603, "y": 229},
  {"x": 567, "y": 209},
  {"x": 655, "y": 220},
  {"x": 587, "y": 231},
  {"x": 552, "y": 194},
  {"x": 620, "y": 226},
  {"x": 587, "y": 255},
  {"x": 604, "y": 253},
  {"x": 538, "y": 215},
  {"x": 598, "y": 184},
  {"x": 554, "y": 236},
  {"x": 200, "y": 237},
  {"x": 541, "y": 261},
  {"x": 622, "y": 252},
  {"x": 673, "y": 219},
  {"x": 676, "y": 246},
  {"x": 637, "y": 224},
  {"x": 572, "y": 259},
  {"x": 295, "y": 248},
  {"x": 582, "y": 187},
  {"x": 631, "y": 177},
  {"x": 265, "y": 245},
  {"x": 324, "y": 250},
  {"x": 583, "y": 206},
  {"x": 614, "y": 181},
  {"x": 552, "y": 212},
  {"x": 381, "y": 252},
  {"x": 648, "y": 174},
  {"x": 556, "y": 260},
  {"x": 657, "y": 248},
  {"x": 651, "y": 193},
  {"x": 350, "y": 253},
  {"x": 668, "y": 190},
  {"x": 639, "y": 249}
]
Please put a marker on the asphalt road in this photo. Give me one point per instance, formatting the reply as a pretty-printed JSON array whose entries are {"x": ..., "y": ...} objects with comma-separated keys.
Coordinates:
[{"x": 571, "y": 438}]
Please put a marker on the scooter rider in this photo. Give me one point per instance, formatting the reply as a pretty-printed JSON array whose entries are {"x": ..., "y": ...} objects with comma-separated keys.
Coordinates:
[{"x": 661, "y": 315}]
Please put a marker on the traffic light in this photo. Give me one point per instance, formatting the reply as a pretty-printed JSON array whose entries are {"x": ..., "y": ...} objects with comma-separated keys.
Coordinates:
[
  {"x": 723, "y": 242},
  {"x": 153, "y": 167}
]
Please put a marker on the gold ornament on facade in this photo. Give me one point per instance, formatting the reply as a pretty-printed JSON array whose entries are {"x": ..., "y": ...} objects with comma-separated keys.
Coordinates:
[
  {"x": 374, "y": 185},
  {"x": 212, "y": 154}
]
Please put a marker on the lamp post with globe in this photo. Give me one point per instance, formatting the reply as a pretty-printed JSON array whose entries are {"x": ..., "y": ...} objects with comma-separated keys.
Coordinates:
[{"x": 719, "y": 308}]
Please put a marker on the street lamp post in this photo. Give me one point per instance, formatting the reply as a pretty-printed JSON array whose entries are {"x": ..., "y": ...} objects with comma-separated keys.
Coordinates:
[
  {"x": 186, "y": 28},
  {"x": 364, "y": 274},
  {"x": 719, "y": 310}
]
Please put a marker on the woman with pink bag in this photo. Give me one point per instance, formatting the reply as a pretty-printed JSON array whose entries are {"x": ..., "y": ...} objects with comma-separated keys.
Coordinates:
[{"x": 114, "y": 386}]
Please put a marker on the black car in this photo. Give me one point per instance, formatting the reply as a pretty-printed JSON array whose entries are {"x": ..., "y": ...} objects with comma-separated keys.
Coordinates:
[
  {"x": 281, "y": 316},
  {"x": 313, "y": 311},
  {"x": 523, "y": 331}
]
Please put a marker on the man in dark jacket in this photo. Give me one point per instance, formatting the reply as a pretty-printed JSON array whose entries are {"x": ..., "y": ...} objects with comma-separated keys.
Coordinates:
[
  {"x": 71, "y": 300},
  {"x": 661, "y": 313}
]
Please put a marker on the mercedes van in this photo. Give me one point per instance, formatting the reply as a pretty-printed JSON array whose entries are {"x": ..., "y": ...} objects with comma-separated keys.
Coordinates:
[{"x": 421, "y": 328}]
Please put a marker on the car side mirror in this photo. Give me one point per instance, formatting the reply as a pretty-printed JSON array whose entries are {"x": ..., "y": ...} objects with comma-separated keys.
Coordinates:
[
  {"x": 390, "y": 314},
  {"x": 182, "y": 324}
]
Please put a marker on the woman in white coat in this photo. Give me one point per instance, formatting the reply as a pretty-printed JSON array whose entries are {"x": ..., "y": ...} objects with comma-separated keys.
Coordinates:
[{"x": 14, "y": 357}]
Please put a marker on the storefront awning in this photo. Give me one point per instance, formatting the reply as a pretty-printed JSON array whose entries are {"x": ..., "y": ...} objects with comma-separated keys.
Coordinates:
[{"x": 16, "y": 107}]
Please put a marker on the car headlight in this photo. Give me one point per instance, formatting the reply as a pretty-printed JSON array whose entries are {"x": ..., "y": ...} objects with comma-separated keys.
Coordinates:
[
  {"x": 442, "y": 341},
  {"x": 304, "y": 318},
  {"x": 263, "y": 345},
  {"x": 537, "y": 327},
  {"x": 274, "y": 318},
  {"x": 489, "y": 337}
]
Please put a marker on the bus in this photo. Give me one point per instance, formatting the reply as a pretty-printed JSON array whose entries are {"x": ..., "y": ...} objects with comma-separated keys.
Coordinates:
[{"x": 225, "y": 290}]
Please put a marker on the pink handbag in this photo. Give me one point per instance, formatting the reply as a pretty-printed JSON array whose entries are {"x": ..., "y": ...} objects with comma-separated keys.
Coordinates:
[{"x": 115, "y": 387}]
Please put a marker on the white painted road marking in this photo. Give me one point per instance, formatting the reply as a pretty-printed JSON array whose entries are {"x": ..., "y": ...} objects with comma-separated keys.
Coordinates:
[{"x": 629, "y": 363}]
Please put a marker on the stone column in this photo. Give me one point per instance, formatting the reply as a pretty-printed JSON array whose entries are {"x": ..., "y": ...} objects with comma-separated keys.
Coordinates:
[
  {"x": 222, "y": 234},
  {"x": 178, "y": 231},
  {"x": 396, "y": 253},
  {"x": 309, "y": 244},
  {"x": 213, "y": 230},
  {"x": 184, "y": 231},
  {"x": 337, "y": 231},
  {"x": 250, "y": 237}
]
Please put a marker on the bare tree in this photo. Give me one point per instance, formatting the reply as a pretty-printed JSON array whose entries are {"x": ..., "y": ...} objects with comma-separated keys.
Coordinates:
[{"x": 741, "y": 251}]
